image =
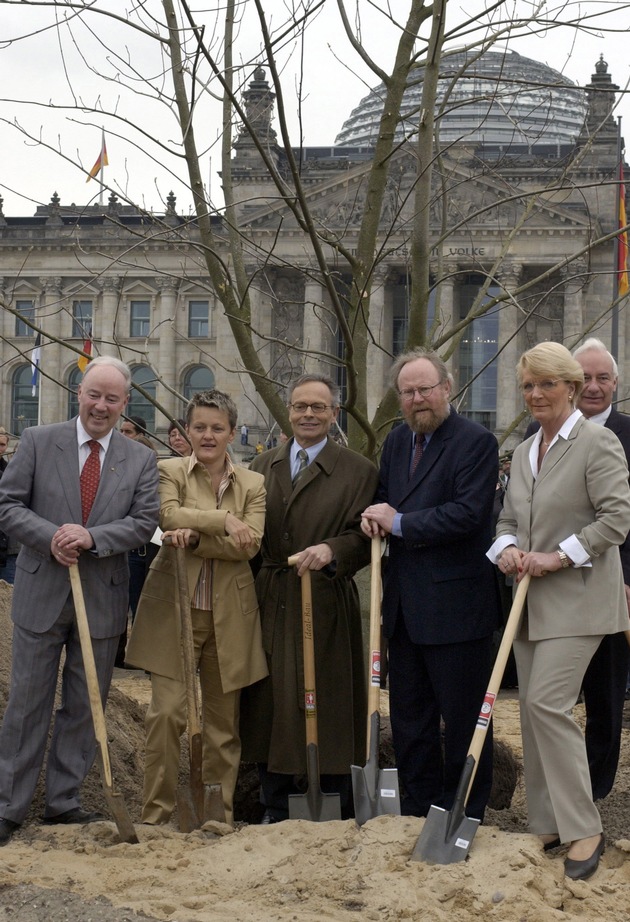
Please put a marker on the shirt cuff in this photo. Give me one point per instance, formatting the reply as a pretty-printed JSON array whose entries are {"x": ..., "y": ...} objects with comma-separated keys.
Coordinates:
[
  {"x": 575, "y": 552},
  {"x": 397, "y": 525},
  {"x": 499, "y": 545}
]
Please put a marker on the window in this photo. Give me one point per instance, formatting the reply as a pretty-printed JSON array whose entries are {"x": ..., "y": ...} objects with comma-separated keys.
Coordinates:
[
  {"x": 140, "y": 312},
  {"x": 198, "y": 379},
  {"x": 198, "y": 323},
  {"x": 23, "y": 404},
  {"x": 27, "y": 309},
  {"x": 138, "y": 404},
  {"x": 479, "y": 346},
  {"x": 81, "y": 319},
  {"x": 74, "y": 379}
]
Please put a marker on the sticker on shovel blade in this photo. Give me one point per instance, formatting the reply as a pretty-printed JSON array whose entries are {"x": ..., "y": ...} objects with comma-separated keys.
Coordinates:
[
  {"x": 387, "y": 792},
  {"x": 486, "y": 710},
  {"x": 462, "y": 843}
]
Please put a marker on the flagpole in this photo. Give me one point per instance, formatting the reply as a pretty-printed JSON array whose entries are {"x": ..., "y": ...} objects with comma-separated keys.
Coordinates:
[
  {"x": 614, "y": 335},
  {"x": 103, "y": 158}
]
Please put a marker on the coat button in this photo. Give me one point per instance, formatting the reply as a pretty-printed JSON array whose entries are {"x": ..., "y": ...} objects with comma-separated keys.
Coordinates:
[{"x": 286, "y": 536}]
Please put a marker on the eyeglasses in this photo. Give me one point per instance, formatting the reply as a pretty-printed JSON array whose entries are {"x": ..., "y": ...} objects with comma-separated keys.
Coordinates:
[
  {"x": 317, "y": 408},
  {"x": 410, "y": 392},
  {"x": 546, "y": 386}
]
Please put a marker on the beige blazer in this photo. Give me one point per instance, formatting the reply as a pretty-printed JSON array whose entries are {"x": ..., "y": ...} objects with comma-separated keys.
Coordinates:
[
  {"x": 187, "y": 500},
  {"x": 581, "y": 489}
]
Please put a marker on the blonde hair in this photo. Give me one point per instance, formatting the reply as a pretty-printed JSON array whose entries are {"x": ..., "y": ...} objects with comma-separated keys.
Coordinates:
[{"x": 552, "y": 360}]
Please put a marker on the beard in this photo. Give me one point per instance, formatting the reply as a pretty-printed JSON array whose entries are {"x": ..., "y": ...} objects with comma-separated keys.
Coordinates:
[{"x": 428, "y": 419}]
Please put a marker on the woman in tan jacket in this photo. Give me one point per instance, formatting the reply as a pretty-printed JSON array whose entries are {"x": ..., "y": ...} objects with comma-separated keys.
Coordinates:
[{"x": 216, "y": 511}]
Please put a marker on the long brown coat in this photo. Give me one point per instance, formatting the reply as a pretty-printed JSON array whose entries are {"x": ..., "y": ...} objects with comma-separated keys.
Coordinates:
[
  {"x": 325, "y": 507},
  {"x": 187, "y": 500}
]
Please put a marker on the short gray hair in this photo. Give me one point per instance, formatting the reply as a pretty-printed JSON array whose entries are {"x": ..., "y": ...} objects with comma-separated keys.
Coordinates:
[
  {"x": 419, "y": 353},
  {"x": 596, "y": 345},
  {"x": 214, "y": 400},
  {"x": 103, "y": 360},
  {"x": 335, "y": 392}
]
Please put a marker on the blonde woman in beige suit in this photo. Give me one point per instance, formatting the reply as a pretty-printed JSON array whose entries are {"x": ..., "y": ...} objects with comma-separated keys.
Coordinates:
[
  {"x": 217, "y": 512},
  {"x": 567, "y": 509}
]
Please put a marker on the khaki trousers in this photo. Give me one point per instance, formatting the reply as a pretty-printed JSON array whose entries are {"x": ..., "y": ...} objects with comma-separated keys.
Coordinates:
[
  {"x": 166, "y": 721},
  {"x": 557, "y": 779}
]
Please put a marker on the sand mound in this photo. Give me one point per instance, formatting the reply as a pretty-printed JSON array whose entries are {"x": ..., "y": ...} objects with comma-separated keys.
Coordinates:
[{"x": 296, "y": 870}]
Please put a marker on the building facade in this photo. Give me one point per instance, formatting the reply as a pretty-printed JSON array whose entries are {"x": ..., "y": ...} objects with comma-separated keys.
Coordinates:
[{"x": 513, "y": 214}]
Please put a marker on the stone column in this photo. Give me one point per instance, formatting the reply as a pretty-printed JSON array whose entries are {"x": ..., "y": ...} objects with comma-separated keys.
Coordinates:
[
  {"x": 509, "y": 400},
  {"x": 378, "y": 358},
  {"x": 445, "y": 305},
  {"x": 53, "y": 406},
  {"x": 105, "y": 333},
  {"x": 165, "y": 361},
  {"x": 575, "y": 282},
  {"x": 312, "y": 323}
]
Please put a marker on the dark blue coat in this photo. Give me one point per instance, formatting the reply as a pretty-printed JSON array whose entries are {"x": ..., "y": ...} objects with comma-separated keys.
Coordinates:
[{"x": 438, "y": 572}]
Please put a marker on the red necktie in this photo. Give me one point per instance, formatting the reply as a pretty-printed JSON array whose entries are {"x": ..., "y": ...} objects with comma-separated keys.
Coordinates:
[
  {"x": 417, "y": 454},
  {"x": 90, "y": 476}
]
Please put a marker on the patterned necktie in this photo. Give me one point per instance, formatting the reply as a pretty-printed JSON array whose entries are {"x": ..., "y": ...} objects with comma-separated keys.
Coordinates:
[
  {"x": 90, "y": 476},
  {"x": 417, "y": 454},
  {"x": 303, "y": 456}
]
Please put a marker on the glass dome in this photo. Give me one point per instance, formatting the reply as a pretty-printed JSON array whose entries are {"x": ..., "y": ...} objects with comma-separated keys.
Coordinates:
[{"x": 501, "y": 99}]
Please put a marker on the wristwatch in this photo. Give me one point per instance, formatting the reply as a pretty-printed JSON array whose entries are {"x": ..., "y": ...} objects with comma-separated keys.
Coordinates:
[{"x": 564, "y": 560}]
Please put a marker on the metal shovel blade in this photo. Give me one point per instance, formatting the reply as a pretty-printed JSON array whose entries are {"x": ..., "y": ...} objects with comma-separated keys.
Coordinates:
[
  {"x": 197, "y": 803},
  {"x": 314, "y": 805},
  {"x": 375, "y": 790},
  {"x": 447, "y": 835}
]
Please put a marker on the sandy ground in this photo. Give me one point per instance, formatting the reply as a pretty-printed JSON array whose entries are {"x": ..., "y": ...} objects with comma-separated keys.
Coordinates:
[{"x": 297, "y": 870}]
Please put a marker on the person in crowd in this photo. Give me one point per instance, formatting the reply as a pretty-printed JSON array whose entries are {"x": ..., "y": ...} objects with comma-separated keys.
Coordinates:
[
  {"x": 606, "y": 678},
  {"x": 244, "y": 434},
  {"x": 259, "y": 447},
  {"x": 179, "y": 445},
  {"x": 440, "y": 603},
  {"x": 216, "y": 511},
  {"x": 77, "y": 492},
  {"x": 316, "y": 490},
  {"x": 566, "y": 511},
  {"x": 133, "y": 426},
  {"x": 9, "y": 548}
]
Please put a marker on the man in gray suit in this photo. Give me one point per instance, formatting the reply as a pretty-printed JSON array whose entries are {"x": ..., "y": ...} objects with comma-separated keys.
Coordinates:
[{"x": 48, "y": 506}]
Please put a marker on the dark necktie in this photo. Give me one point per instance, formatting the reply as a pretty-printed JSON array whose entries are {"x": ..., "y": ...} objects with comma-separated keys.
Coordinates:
[
  {"x": 415, "y": 461},
  {"x": 303, "y": 456},
  {"x": 90, "y": 476}
]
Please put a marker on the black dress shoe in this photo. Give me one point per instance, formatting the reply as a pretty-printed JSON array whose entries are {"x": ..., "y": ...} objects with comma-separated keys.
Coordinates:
[
  {"x": 7, "y": 828},
  {"x": 268, "y": 819},
  {"x": 582, "y": 870},
  {"x": 76, "y": 815},
  {"x": 555, "y": 843}
]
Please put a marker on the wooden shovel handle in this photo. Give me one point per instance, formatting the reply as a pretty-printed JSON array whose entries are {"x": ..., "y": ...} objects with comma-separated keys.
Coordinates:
[
  {"x": 374, "y": 679},
  {"x": 94, "y": 693},
  {"x": 509, "y": 633},
  {"x": 310, "y": 695},
  {"x": 188, "y": 645}
]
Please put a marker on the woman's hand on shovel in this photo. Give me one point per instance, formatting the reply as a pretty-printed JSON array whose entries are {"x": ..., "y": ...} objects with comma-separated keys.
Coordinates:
[{"x": 181, "y": 537}]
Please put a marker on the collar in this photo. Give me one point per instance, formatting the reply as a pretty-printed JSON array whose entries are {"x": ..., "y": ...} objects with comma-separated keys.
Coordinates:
[
  {"x": 83, "y": 437},
  {"x": 600, "y": 419},
  {"x": 312, "y": 451},
  {"x": 229, "y": 471}
]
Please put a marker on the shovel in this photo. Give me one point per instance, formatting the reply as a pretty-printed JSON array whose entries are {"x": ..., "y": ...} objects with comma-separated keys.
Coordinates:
[
  {"x": 447, "y": 834},
  {"x": 115, "y": 801},
  {"x": 197, "y": 803},
  {"x": 314, "y": 805},
  {"x": 375, "y": 790}
]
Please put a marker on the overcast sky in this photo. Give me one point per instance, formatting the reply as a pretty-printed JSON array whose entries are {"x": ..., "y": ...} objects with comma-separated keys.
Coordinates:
[{"x": 47, "y": 77}]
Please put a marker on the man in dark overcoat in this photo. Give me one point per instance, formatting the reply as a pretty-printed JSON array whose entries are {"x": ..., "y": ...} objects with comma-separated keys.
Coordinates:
[
  {"x": 440, "y": 597},
  {"x": 316, "y": 491}
]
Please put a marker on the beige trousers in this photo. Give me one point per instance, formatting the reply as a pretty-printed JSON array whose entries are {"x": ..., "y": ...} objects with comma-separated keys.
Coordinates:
[
  {"x": 166, "y": 721},
  {"x": 557, "y": 780}
]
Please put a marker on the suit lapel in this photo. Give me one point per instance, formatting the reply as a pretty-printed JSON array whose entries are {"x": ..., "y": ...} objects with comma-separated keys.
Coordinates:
[
  {"x": 558, "y": 452},
  {"x": 111, "y": 474},
  {"x": 67, "y": 461}
]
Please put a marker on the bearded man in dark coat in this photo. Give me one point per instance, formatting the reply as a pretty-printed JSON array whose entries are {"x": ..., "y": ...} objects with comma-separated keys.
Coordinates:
[{"x": 316, "y": 491}]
